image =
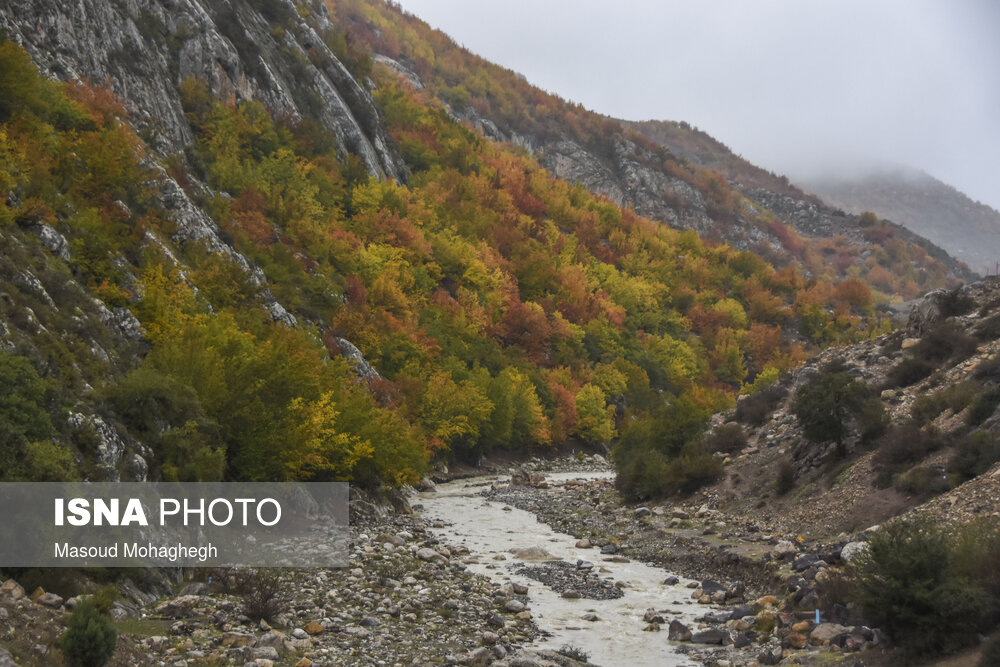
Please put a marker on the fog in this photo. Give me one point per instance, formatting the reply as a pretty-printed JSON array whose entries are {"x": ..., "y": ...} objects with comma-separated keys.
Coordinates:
[{"x": 798, "y": 87}]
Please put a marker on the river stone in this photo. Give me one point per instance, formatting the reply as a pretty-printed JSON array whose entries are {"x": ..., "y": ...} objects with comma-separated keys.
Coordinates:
[
  {"x": 570, "y": 594},
  {"x": 515, "y": 606},
  {"x": 783, "y": 549},
  {"x": 583, "y": 544},
  {"x": 652, "y": 617},
  {"x": 266, "y": 653},
  {"x": 427, "y": 554},
  {"x": 314, "y": 628},
  {"x": 671, "y": 581},
  {"x": 709, "y": 587},
  {"x": 642, "y": 511},
  {"x": 489, "y": 638},
  {"x": 678, "y": 632},
  {"x": 609, "y": 549},
  {"x": 532, "y": 554},
  {"x": 710, "y": 636},
  {"x": 827, "y": 632}
]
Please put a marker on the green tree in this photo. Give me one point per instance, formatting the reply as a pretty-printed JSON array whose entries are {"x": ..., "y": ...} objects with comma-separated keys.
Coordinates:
[
  {"x": 89, "y": 640},
  {"x": 595, "y": 418},
  {"x": 826, "y": 405}
]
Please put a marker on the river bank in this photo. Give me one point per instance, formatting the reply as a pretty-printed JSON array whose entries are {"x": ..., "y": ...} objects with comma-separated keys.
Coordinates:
[{"x": 537, "y": 572}]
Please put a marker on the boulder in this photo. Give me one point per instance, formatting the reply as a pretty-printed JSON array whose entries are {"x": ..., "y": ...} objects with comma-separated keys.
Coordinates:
[
  {"x": 824, "y": 633},
  {"x": 678, "y": 632},
  {"x": 179, "y": 607},
  {"x": 313, "y": 628},
  {"x": 851, "y": 550},
  {"x": 50, "y": 600},
  {"x": 710, "y": 636}
]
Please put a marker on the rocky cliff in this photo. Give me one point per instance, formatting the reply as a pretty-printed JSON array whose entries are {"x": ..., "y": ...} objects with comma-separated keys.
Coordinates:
[{"x": 264, "y": 50}]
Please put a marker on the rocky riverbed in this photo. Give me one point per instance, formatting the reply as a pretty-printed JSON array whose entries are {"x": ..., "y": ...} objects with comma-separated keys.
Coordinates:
[
  {"x": 405, "y": 599},
  {"x": 437, "y": 587}
]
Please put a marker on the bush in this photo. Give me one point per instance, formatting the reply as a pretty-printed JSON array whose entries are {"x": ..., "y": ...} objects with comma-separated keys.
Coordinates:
[
  {"x": 945, "y": 342},
  {"x": 826, "y": 405},
  {"x": 89, "y": 640},
  {"x": 988, "y": 329},
  {"x": 974, "y": 455},
  {"x": 956, "y": 302},
  {"x": 991, "y": 653},
  {"x": 785, "y": 480},
  {"x": 923, "y": 482},
  {"x": 263, "y": 594},
  {"x": 727, "y": 439},
  {"x": 908, "y": 371},
  {"x": 904, "y": 445},
  {"x": 988, "y": 371},
  {"x": 755, "y": 408},
  {"x": 646, "y": 473},
  {"x": 908, "y": 583},
  {"x": 984, "y": 407},
  {"x": 955, "y": 397}
]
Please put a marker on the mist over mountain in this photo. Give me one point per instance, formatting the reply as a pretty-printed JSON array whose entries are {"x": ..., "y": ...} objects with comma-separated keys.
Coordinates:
[{"x": 967, "y": 229}]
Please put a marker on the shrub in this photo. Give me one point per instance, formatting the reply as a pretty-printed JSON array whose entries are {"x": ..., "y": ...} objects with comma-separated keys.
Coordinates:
[
  {"x": 955, "y": 397},
  {"x": 923, "y": 482},
  {"x": 755, "y": 408},
  {"x": 263, "y": 595},
  {"x": 988, "y": 329},
  {"x": 984, "y": 407},
  {"x": 991, "y": 653},
  {"x": 727, "y": 439},
  {"x": 945, "y": 342},
  {"x": 907, "y": 583},
  {"x": 89, "y": 640},
  {"x": 908, "y": 371},
  {"x": 645, "y": 473},
  {"x": 826, "y": 404},
  {"x": 974, "y": 455},
  {"x": 988, "y": 371},
  {"x": 956, "y": 302},
  {"x": 785, "y": 481},
  {"x": 902, "y": 446}
]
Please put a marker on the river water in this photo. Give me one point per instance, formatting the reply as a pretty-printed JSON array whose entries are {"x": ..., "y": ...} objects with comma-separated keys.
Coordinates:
[{"x": 617, "y": 638}]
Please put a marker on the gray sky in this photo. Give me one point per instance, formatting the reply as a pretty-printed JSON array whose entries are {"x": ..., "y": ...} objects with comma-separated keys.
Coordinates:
[{"x": 795, "y": 86}]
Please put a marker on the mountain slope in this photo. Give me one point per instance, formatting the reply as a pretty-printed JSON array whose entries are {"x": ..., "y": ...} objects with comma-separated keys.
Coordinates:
[
  {"x": 967, "y": 229},
  {"x": 260, "y": 305},
  {"x": 632, "y": 170}
]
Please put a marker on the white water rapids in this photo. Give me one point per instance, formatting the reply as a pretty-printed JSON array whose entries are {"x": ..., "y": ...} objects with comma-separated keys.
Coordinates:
[{"x": 617, "y": 638}]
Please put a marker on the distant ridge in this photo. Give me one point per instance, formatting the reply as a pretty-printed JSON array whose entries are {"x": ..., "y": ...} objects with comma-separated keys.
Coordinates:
[{"x": 967, "y": 229}]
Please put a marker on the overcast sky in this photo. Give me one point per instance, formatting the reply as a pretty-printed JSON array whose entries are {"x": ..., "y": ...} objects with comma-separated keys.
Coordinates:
[{"x": 795, "y": 86}]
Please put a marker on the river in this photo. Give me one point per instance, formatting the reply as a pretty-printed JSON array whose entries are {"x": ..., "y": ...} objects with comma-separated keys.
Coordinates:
[{"x": 491, "y": 530}]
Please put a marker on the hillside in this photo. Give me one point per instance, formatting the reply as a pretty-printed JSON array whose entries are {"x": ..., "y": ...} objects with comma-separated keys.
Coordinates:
[
  {"x": 263, "y": 240},
  {"x": 632, "y": 170},
  {"x": 212, "y": 277},
  {"x": 968, "y": 230}
]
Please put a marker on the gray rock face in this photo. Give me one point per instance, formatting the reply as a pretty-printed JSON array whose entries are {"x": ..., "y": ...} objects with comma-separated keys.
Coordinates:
[
  {"x": 146, "y": 47},
  {"x": 355, "y": 359},
  {"x": 55, "y": 242},
  {"x": 110, "y": 445}
]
